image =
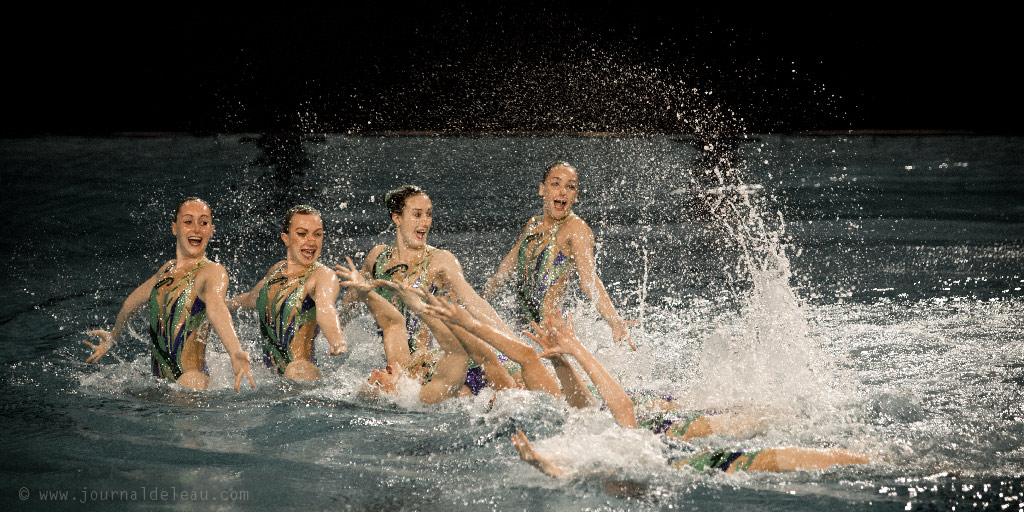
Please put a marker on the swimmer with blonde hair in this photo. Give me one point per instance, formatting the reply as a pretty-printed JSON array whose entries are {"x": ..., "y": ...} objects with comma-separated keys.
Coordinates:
[{"x": 185, "y": 297}]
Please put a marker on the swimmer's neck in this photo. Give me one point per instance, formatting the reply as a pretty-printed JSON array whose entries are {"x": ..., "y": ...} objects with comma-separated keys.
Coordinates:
[
  {"x": 294, "y": 268},
  {"x": 549, "y": 221},
  {"x": 184, "y": 261},
  {"x": 404, "y": 253}
]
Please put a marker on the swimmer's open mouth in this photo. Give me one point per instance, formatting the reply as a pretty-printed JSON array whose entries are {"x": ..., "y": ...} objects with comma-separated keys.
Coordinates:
[
  {"x": 309, "y": 253},
  {"x": 421, "y": 234},
  {"x": 560, "y": 204},
  {"x": 195, "y": 241}
]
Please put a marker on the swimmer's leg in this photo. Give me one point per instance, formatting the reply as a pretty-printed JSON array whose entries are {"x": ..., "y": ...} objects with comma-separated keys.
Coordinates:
[
  {"x": 302, "y": 370},
  {"x": 803, "y": 459},
  {"x": 193, "y": 379}
]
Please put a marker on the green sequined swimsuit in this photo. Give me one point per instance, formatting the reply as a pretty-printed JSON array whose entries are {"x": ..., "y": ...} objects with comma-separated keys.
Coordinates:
[
  {"x": 287, "y": 314},
  {"x": 538, "y": 269},
  {"x": 415, "y": 277},
  {"x": 176, "y": 316},
  {"x": 738, "y": 460}
]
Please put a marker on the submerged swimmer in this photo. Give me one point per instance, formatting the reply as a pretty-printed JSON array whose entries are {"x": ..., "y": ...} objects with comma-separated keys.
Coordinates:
[
  {"x": 411, "y": 261},
  {"x": 295, "y": 300},
  {"x": 185, "y": 297},
  {"x": 560, "y": 339},
  {"x": 552, "y": 246},
  {"x": 780, "y": 459}
]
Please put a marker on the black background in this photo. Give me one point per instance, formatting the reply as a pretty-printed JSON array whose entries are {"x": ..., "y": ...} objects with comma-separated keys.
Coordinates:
[{"x": 461, "y": 68}]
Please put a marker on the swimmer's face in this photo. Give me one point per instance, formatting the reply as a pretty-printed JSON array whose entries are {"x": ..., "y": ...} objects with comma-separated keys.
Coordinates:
[
  {"x": 304, "y": 239},
  {"x": 559, "y": 192},
  {"x": 384, "y": 380},
  {"x": 413, "y": 224},
  {"x": 193, "y": 228}
]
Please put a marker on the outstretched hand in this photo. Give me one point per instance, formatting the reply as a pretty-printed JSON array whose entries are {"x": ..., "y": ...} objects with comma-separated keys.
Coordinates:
[
  {"x": 414, "y": 298},
  {"x": 101, "y": 348},
  {"x": 448, "y": 311},
  {"x": 523, "y": 446},
  {"x": 352, "y": 278},
  {"x": 556, "y": 336},
  {"x": 240, "y": 365}
]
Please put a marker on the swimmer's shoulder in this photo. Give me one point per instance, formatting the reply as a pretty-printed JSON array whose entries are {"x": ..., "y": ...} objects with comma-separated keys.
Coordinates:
[
  {"x": 576, "y": 229},
  {"x": 443, "y": 255},
  {"x": 374, "y": 253},
  {"x": 212, "y": 269},
  {"x": 323, "y": 274},
  {"x": 443, "y": 261},
  {"x": 576, "y": 222}
]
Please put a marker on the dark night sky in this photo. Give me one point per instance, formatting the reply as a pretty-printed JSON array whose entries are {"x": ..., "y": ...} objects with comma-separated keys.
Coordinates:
[{"x": 606, "y": 68}]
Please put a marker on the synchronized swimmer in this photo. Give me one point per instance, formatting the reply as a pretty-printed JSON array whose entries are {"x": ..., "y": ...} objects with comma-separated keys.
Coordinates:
[
  {"x": 295, "y": 300},
  {"x": 185, "y": 297},
  {"x": 410, "y": 261},
  {"x": 554, "y": 245},
  {"x": 436, "y": 330}
]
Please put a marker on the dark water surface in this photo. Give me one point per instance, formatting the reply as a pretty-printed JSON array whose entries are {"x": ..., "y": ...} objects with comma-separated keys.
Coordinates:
[{"x": 864, "y": 291}]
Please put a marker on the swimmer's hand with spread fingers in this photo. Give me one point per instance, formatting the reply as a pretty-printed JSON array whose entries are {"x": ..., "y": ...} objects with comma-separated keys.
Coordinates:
[
  {"x": 556, "y": 337},
  {"x": 414, "y": 298},
  {"x": 101, "y": 348},
  {"x": 449, "y": 311},
  {"x": 354, "y": 280}
]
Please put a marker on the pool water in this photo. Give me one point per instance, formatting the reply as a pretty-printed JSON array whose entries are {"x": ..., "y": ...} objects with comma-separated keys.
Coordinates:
[{"x": 862, "y": 292}]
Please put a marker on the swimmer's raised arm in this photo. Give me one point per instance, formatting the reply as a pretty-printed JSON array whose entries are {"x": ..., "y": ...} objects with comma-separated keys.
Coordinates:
[
  {"x": 453, "y": 279},
  {"x": 325, "y": 294},
  {"x": 581, "y": 250},
  {"x": 135, "y": 300},
  {"x": 248, "y": 299},
  {"x": 212, "y": 284},
  {"x": 558, "y": 337},
  {"x": 389, "y": 319}
]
